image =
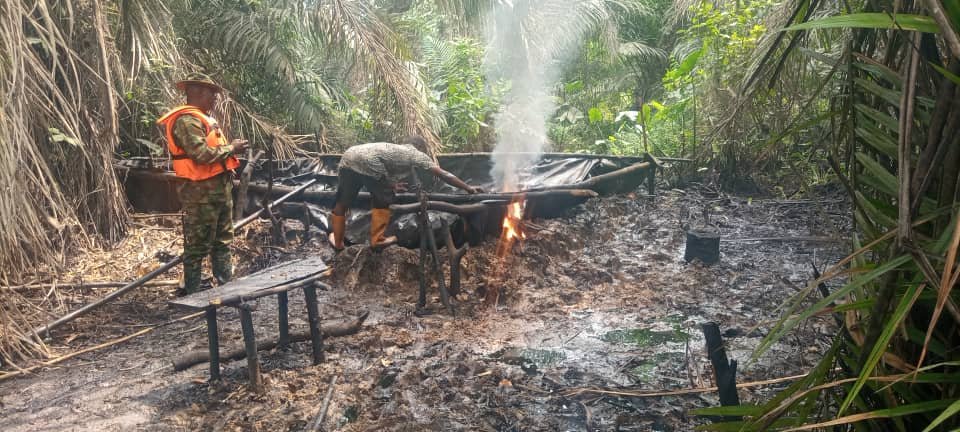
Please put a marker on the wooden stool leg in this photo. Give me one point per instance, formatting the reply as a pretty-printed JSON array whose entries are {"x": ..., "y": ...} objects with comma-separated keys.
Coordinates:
[
  {"x": 250, "y": 343},
  {"x": 313, "y": 315},
  {"x": 213, "y": 343},
  {"x": 284, "y": 320}
]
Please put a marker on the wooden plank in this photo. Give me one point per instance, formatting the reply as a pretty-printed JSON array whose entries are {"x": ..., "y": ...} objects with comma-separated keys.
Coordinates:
[{"x": 247, "y": 286}]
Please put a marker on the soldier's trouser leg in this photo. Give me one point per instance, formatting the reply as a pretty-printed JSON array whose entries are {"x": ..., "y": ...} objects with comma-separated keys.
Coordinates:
[
  {"x": 199, "y": 227},
  {"x": 220, "y": 253}
]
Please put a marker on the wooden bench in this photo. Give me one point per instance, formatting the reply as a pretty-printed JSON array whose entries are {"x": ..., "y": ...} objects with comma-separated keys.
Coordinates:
[{"x": 303, "y": 273}]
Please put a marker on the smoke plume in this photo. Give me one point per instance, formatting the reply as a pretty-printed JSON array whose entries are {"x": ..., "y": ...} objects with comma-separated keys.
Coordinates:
[{"x": 526, "y": 41}]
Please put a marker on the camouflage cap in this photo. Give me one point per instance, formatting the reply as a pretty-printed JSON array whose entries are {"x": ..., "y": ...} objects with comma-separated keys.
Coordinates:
[{"x": 199, "y": 79}]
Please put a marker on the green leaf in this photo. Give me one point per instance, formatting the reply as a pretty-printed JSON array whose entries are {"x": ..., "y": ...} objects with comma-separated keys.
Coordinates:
[
  {"x": 595, "y": 115},
  {"x": 738, "y": 410},
  {"x": 886, "y": 120},
  {"x": 154, "y": 148},
  {"x": 573, "y": 87},
  {"x": 880, "y": 347},
  {"x": 876, "y": 215},
  {"x": 789, "y": 322},
  {"x": 877, "y": 175},
  {"x": 951, "y": 410},
  {"x": 899, "y": 411},
  {"x": 890, "y": 96},
  {"x": 880, "y": 141},
  {"x": 871, "y": 20},
  {"x": 689, "y": 62},
  {"x": 946, "y": 73}
]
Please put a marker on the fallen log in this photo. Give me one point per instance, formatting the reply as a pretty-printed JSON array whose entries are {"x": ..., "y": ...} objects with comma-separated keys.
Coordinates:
[{"x": 196, "y": 357}]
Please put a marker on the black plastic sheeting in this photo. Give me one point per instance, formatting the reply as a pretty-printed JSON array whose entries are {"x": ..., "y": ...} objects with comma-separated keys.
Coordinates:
[{"x": 473, "y": 168}]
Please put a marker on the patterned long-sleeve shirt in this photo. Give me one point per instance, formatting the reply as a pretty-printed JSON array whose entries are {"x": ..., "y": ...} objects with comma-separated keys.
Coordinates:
[
  {"x": 189, "y": 134},
  {"x": 385, "y": 161}
]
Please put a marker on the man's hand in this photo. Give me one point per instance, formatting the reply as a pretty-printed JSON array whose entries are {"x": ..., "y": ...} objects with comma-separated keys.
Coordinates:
[
  {"x": 400, "y": 187},
  {"x": 475, "y": 190},
  {"x": 239, "y": 146}
]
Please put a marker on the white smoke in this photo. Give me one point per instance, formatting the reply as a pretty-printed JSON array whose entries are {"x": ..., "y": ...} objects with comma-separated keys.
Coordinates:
[{"x": 524, "y": 40}]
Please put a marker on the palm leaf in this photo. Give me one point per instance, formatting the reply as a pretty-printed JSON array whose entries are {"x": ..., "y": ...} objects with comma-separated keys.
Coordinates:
[{"x": 871, "y": 20}]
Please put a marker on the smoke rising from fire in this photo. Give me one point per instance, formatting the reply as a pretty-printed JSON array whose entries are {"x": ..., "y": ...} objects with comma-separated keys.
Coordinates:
[{"x": 525, "y": 42}]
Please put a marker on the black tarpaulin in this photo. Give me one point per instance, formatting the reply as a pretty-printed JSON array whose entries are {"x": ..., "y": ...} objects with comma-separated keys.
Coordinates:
[{"x": 552, "y": 169}]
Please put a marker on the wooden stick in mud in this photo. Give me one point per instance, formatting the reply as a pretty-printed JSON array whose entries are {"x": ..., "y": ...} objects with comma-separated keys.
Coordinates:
[
  {"x": 241, "y": 203},
  {"x": 432, "y": 248},
  {"x": 326, "y": 405},
  {"x": 456, "y": 255},
  {"x": 330, "y": 330}
]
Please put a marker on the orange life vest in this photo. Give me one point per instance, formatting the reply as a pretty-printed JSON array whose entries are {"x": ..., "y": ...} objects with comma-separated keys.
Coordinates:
[{"x": 182, "y": 164}]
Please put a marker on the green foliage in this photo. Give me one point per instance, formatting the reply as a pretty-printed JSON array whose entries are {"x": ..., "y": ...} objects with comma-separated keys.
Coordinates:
[
  {"x": 460, "y": 93},
  {"x": 895, "y": 370}
]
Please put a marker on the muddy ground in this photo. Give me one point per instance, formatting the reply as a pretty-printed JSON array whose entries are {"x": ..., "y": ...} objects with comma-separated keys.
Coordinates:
[{"x": 598, "y": 299}]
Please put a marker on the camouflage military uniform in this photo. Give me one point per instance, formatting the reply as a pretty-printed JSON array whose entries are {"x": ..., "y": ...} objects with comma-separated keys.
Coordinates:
[{"x": 207, "y": 207}]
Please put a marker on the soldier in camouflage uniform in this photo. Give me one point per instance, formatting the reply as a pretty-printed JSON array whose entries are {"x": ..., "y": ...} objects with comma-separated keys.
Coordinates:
[{"x": 202, "y": 156}]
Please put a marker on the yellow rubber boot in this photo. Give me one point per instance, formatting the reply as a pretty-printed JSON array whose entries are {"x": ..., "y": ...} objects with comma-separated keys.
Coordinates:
[
  {"x": 379, "y": 219},
  {"x": 339, "y": 226}
]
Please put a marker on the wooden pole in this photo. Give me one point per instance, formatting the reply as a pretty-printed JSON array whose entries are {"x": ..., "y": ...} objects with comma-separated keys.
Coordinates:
[
  {"x": 284, "y": 319},
  {"x": 250, "y": 344},
  {"x": 458, "y": 209},
  {"x": 161, "y": 270},
  {"x": 241, "y": 204},
  {"x": 456, "y": 255},
  {"x": 323, "y": 408},
  {"x": 213, "y": 343},
  {"x": 313, "y": 320}
]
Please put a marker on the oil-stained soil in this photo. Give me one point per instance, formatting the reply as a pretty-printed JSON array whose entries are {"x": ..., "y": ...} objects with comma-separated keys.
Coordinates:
[{"x": 600, "y": 299}]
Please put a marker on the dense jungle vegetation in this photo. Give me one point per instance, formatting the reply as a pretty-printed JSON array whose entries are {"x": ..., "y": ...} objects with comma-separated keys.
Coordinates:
[{"x": 761, "y": 95}]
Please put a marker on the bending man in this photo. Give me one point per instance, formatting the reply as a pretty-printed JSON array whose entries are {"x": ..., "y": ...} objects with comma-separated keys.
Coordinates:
[
  {"x": 203, "y": 157},
  {"x": 379, "y": 167}
]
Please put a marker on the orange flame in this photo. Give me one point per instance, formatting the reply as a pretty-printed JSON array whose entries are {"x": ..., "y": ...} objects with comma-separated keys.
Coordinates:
[
  {"x": 512, "y": 228},
  {"x": 511, "y": 222}
]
